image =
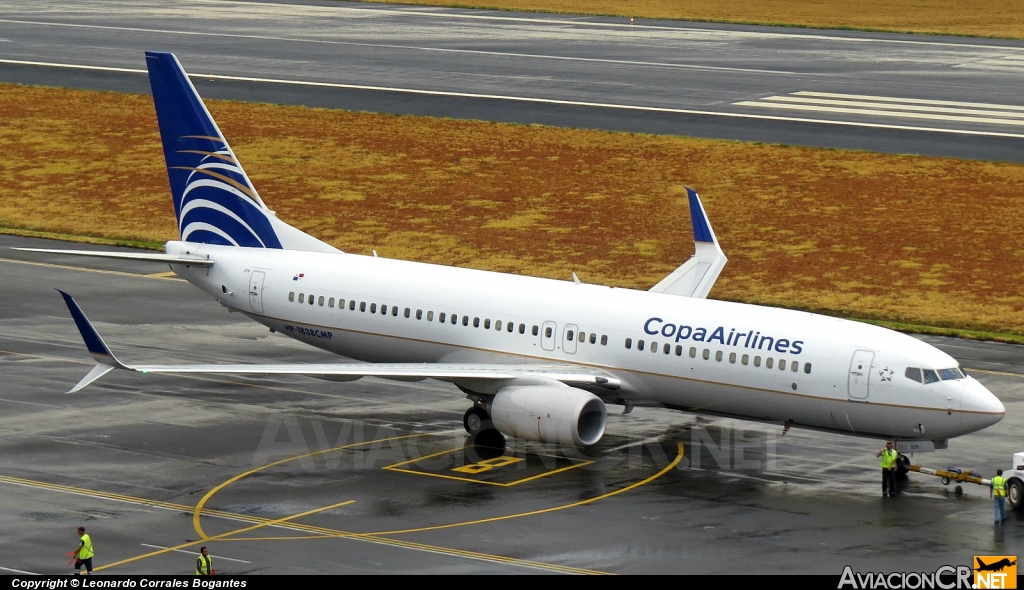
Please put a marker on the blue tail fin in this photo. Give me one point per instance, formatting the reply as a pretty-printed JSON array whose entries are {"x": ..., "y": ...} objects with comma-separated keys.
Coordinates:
[{"x": 214, "y": 200}]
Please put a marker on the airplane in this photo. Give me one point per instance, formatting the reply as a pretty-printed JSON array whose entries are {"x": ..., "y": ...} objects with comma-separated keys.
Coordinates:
[
  {"x": 994, "y": 566},
  {"x": 539, "y": 359}
]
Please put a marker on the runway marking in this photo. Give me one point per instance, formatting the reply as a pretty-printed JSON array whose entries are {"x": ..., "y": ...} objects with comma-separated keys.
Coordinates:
[
  {"x": 219, "y": 557},
  {"x": 223, "y": 535},
  {"x": 952, "y": 103},
  {"x": 1004, "y": 373},
  {"x": 412, "y": 47},
  {"x": 1006, "y": 112},
  {"x": 196, "y": 512},
  {"x": 321, "y": 532},
  {"x": 464, "y": 469},
  {"x": 96, "y": 270},
  {"x": 7, "y": 569},
  {"x": 876, "y": 112},
  {"x": 552, "y": 101},
  {"x": 434, "y": 12},
  {"x": 632, "y": 486}
]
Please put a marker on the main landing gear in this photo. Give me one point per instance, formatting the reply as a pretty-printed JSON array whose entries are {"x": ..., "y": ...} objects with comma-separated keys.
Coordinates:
[{"x": 480, "y": 428}]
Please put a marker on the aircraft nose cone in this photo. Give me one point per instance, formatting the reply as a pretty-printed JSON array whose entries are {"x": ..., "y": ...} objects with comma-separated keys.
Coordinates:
[{"x": 980, "y": 406}]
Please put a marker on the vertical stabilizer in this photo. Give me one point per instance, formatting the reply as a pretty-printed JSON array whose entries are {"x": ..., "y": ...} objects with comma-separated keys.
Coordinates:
[{"x": 214, "y": 200}]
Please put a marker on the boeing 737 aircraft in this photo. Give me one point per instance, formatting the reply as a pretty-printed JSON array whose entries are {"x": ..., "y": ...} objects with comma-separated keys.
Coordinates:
[{"x": 538, "y": 358}]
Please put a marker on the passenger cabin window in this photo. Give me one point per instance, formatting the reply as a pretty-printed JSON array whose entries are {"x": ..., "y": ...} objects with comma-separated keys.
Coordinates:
[
  {"x": 593, "y": 338},
  {"x": 718, "y": 355},
  {"x": 536, "y": 330},
  {"x": 745, "y": 359},
  {"x": 794, "y": 366},
  {"x": 522, "y": 329},
  {"x": 807, "y": 368},
  {"x": 394, "y": 311},
  {"x": 330, "y": 302},
  {"x": 547, "y": 332},
  {"x": 757, "y": 361},
  {"x": 362, "y": 306},
  {"x": 583, "y": 337},
  {"x": 302, "y": 297},
  {"x": 693, "y": 352},
  {"x": 497, "y": 325},
  {"x": 465, "y": 320},
  {"x": 510, "y": 327},
  {"x": 629, "y": 343},
  {"x": 654, "y": 347},
  {"x": 768, "y": 362},
  {"x": 476, "y": 322},
  {"x": 455, "y": 319},
  {"x": 407, "y": 312},
  {"x": 930, "y": 376},
  {"x": 311, "y": 299},
  {"x": 568, "y": 335},
  {"x": 440, "y": 317},
  {"x": 373, "y": 308},
  {"x": 321, "y": 301},
  {"x": 679, "y": 350},
  {"x": 487, "y": 324},
  {"x": 782, "y": 364},
  {"x": 291, "y": 297},
  {"x": 706, "y": 354},
  {"x": 732, "y": 357},
  {"x": 639, "y": 344},
  {"x": 352, "y": 305},
  {"x": 419, "y": 314},
  {"x": 430, "y": 316},
  {"x": 667, "y": 348}
]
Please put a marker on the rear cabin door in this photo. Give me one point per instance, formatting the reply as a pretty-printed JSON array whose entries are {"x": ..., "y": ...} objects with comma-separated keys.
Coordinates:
[
  {"x": 860, "y": 370},
  {"x": 256, "y": 290}
]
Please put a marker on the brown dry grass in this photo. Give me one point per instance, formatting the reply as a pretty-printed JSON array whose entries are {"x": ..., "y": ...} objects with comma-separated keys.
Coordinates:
[
  {"x": 983, "y": 18},
  {"x": 921, "y": 240}
]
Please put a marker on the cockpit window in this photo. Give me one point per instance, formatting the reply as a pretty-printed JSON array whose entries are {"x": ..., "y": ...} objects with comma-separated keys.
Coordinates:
[
  {"x": 930, "y": 376},
  {"x": 951, "y": 374},
  {"x": 914, "y": 373}
]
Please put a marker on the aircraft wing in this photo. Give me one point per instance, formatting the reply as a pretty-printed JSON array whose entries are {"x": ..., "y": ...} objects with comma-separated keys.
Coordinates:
[
  {"x": 106, "y": 362},
  {"x": 698, "y": 274},
  {"x": 145, "y": 256}
]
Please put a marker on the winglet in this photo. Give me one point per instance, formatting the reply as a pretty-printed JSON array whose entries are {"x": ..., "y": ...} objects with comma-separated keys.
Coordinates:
[
  {"x": 97, "y": 348},
  {"x": 698, "y": 274}
]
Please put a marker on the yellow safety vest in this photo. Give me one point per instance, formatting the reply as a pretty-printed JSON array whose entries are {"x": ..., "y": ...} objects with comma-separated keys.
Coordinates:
[
  {"x": 85, "y": 551},
  {"x": 999, "y": 486},
  {"x": 888, "y": 458},
  {"x": 204, "y": 565}
]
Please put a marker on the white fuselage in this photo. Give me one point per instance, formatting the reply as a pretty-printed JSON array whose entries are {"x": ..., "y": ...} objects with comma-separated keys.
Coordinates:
[{"x": 685, "y": 353}]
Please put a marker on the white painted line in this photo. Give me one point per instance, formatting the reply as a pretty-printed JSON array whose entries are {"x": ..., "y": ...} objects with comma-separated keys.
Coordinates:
[
  {"x": 412, "y": 48},
  {"x": 878, "y": 113},
  {"x": 952, "y": 103},
  {"x": 195, "y": 554},
  {"x": 895, "y": 107},
  {"x": 441, "y": 13},
  {"x": 552, "y": 101},
  {"x": 7, "y": 569}
]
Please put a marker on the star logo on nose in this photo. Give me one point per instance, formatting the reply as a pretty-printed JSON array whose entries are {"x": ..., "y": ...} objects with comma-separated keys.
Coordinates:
[{"x": 885, "y": 374}]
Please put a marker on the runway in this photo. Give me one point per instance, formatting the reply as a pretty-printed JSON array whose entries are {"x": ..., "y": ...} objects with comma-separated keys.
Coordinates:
[
  {"x": 941, "y": 96},
  {"x": 296, "y": 475}
]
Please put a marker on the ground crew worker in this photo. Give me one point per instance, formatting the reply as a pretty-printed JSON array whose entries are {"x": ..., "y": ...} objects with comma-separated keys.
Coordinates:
[
  {"x": 998, "y": 492},
  {"x": 84, "y": 553},
  {"x": 204, "y": 563},
  {"x": 888, "y": 463}
]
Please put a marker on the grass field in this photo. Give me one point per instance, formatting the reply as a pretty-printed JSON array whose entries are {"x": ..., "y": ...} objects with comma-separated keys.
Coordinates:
[
  {"x": 982, "y": 18},
  {"x": 918, "y": 240}
]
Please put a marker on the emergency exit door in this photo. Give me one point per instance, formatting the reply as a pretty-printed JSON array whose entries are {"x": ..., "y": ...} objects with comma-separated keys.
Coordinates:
[
  {"x": 860, "y": 372},
  {"x": 548, "y": 336},
  {"x": 256, "y": 290}
]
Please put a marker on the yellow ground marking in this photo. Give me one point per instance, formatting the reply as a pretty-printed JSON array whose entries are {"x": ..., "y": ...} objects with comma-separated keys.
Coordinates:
[
  {"x": 1003, "y": 373},
  {"x": 223, "y": 535},
  {"x": 162, "y": 275},
  {"x": 96, "y": 270},
  {"x": 489, "y": 464},
  {"x": 319, "y": 532},
  {"x": 632, "y": 486},
  {"x": 398, "y": 467},
  {"x": 196, "y": 512}
]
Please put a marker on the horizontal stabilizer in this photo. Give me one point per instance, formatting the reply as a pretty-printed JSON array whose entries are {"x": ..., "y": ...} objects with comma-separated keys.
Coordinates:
[
  {"x": 698, "y": 274},
  {"x": 143, "y": 256}
]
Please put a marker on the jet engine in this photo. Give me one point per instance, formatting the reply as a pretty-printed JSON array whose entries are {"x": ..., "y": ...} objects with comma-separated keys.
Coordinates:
[{"x": 550, "y": 414}]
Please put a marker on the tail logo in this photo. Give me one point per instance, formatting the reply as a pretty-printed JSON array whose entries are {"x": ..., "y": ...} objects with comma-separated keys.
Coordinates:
[{"x": 218, "y": 204}]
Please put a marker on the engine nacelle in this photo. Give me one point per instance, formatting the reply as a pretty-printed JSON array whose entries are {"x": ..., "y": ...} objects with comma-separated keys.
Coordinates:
[{"x": 550, "y": 414}]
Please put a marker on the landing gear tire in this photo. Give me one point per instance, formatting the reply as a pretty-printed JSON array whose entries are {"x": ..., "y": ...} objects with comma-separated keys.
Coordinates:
[
  {"x": 476, "y": 420},
  {"x": 481, "y": 430},
  {"x": 1016, "y": 494},
  {"x": 902, "y": 465}
]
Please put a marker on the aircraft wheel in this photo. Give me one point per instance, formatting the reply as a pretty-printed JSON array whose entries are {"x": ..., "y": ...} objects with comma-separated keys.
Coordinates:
[
  {"x": 902, "y": 462},
  {"x": 476, "y": 420},
  {"x": 1016, "y": 494}
]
